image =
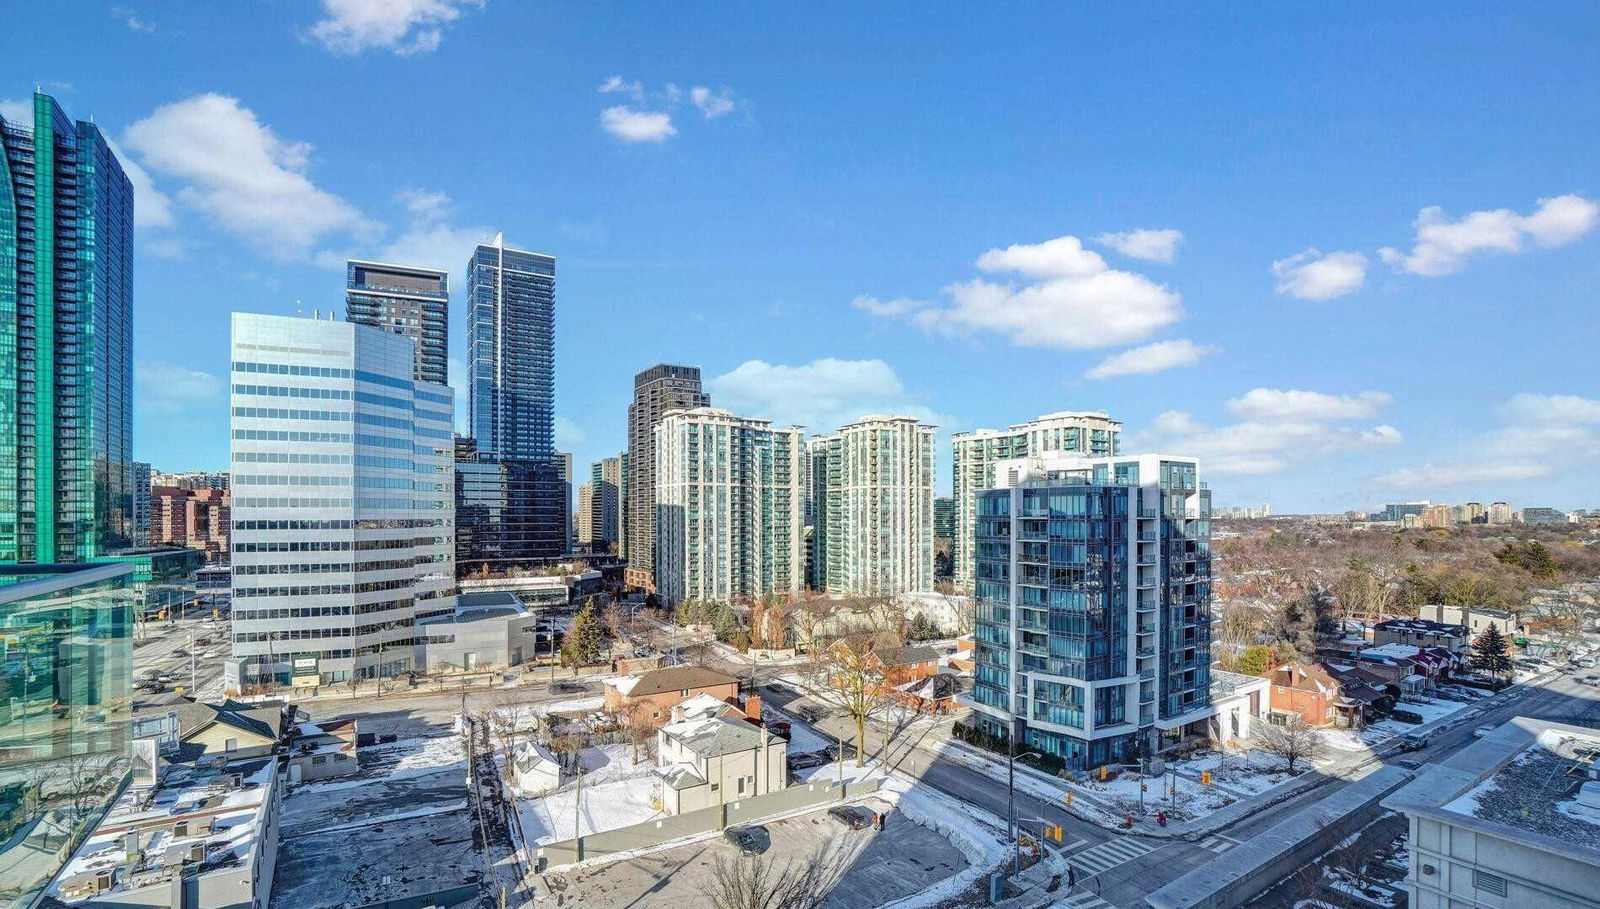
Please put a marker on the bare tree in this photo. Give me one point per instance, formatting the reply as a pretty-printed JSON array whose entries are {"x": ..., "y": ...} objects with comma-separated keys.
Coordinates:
[
  {"x": 1295, "y": 741},
  {"x": 639, "y": 726},
  {"x": 754, "y": 882},
  {"x": 850, "y": 674}
]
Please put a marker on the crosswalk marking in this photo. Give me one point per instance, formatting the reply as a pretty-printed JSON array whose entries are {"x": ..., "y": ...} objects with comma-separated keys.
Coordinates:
[
  {"x": 1108, "y": 855},
  {"x": 1218, "y": 843},
  {"x": 1085, "y": 901}
]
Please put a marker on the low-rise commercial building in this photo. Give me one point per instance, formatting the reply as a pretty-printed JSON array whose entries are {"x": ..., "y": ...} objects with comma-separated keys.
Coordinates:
[
  {"x": 1511, "y": 821},
  {"x": 200, "y": 837},
  {"x": 486, "y": 630}
]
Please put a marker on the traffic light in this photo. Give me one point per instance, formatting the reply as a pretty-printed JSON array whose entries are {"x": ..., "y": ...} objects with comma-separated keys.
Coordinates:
[
  {"x": 1205, "y": 777},
  {"x": 1102, "y": 773},
  {"x": 1069, "y": 798},
  {"x": 1055, "y": 833}
]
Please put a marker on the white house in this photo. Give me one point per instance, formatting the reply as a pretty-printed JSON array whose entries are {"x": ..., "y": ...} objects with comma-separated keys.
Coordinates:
[{"x": 713, "y": 759}]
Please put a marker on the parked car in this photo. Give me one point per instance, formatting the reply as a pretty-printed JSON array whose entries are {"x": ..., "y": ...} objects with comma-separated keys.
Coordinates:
[
  {"x": 1482, "y": 731},
  {"x": 806, "y": 761},
  {"x": 853, "y": 817},
  {"x": 748, "y": 840},
  {"x": 1415, "y": 741},
  {"x": 1408, "y": 764},
  {"x": 782, "y": 729}
]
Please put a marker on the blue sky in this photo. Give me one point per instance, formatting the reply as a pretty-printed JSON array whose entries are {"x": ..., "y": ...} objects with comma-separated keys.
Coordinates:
[{"x": 1366, "y": 271}]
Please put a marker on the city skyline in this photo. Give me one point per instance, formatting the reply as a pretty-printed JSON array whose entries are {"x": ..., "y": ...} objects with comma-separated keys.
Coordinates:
[{"x": 1207, "y": 246}]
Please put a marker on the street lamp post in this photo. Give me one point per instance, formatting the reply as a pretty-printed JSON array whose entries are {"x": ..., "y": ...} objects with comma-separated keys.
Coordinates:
[{"x": 1011, "y": 796}]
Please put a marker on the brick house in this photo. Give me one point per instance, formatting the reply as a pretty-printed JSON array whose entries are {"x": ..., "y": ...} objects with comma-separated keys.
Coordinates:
[
  {"x": 650, "y": 696},
  {"x": 1305, "y": 690}
]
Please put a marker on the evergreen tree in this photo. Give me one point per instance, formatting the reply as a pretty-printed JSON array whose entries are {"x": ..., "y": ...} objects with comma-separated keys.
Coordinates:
[
  {"x": 1489, "y": 652},
  {"x": 922, "y": 628},
  {"x": 1255, "y": 660},
  {"x": 585, "y": 639},
  {"x": 723, "y": 622}
]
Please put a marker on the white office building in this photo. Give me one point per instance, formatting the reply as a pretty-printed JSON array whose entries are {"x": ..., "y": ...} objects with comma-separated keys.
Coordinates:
[
  {"x": 872, "y": 507},
  {"x": 976, "y": 453},
  {"x": 729, "y": 500},
  {"x": 343, "y": 508}
]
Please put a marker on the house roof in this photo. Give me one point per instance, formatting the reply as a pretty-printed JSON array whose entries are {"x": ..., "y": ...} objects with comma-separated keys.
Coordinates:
[
  {"x": 1421, "y": 626},
  {"x": 257, "y": 720},
  {"x": 717, "y": 736},
  {"x": 1305, "y": 677},
  {"x": 933, "y": 688},
  {"x": 704, "y": 705},
  {"x": 905, "y": 656},
  {"x": 675, "y": 678}
]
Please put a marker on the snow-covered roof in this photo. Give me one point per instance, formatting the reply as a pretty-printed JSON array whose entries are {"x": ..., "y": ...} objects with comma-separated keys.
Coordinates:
[
  {"x": 703, "y": 706},
  {"x": 717, "y": 736}
]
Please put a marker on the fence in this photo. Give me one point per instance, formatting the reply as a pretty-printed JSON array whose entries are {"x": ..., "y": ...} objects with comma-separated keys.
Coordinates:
[{"x": 705, "y": 820}]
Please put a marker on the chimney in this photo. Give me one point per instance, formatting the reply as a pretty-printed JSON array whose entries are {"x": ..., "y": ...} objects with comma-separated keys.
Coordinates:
[
  {"x": 677, "y": 713},
  {"x": 752, "y": 707}
]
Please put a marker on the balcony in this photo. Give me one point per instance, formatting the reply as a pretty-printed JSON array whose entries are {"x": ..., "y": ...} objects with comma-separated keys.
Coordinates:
[
  {"x": 1147, "y": 695},
  {"x": 1145, "y": 653},
  {"x": 1147, "y": 628}
]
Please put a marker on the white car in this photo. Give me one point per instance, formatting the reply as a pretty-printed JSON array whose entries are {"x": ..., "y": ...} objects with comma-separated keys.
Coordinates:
[{"x": 1482, "y": 731}]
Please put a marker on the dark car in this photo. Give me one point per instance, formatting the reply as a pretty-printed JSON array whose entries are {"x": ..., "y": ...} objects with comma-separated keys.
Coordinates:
[
  {"x": 1408, "y": 765},
  {"x": 748, "y": 840},
  {"x": 854, "y": 817},
  {"x": 781, "y": 728},
  {"x": 833, "y": 752},
  {"x": 568, "y": 687}
]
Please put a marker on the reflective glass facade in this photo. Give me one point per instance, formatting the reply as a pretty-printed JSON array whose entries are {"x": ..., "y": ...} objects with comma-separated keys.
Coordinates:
[
  {"x": 65, "y": 665},
  {"x": 1092, "y": 591},
  {"x": 509, "y": 512},
  {"x": 408, "y": 301},
  {"x": 511, "y": 321},
  {"x": 66, "y": 370}
]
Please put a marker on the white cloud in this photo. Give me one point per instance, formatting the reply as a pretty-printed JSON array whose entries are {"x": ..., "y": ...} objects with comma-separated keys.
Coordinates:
[
  {"x": 1541, "y": 435},
  {"x": 1279, "y": 404},
  {"x": 17, "y": 111},
  {"x": 1074, "y": 301},
  {"x": 1311, "y": 275},
  {"x": 634, "y": 90},
  {"x": 1437, "y": 475},
  {"x": 132, "y": 21},
  {"x": 1175, "y": 423},
  {"x": 1257, "y": 447},
  {"x": 240, "y": 173},
  {"x": 569, "y": 435},
  {"x": 637, "y": 122},
  {"x": 631, "y": 125},
  {"x": 168, "y": 389},
  {"x": 821, "y": 395},
  {"x": 430, "y": 239},
  {"x": 151, "y": 207},
  {"x": 896, "y": 307},
  {"x": 1151, "y": 358},
  {"x": 1552, "y": 409},
  {"x": 712, "y": 104},
  {"x": 1149, "y": 245},
  {"x": 1443, "y": 246},
  {"x": 403, "y": 26}
]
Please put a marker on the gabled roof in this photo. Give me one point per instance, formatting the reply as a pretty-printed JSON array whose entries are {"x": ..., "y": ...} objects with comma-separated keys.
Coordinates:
[
  {"x": 675, "y": 678},
  {"x": 908, "y": 655},
  {"x": 717, "y": 736},
  {"x": 1306, "y": 677},
  {"x": 252, "y": 719}
]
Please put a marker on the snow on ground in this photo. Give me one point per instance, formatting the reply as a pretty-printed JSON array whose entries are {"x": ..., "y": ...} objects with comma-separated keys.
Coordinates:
[
  {"x": 398, "y": 760},
  {"x": 616, "y": 793},
  {"x": 1243, "y": 774},
  {"x": 802, "y": 738}
]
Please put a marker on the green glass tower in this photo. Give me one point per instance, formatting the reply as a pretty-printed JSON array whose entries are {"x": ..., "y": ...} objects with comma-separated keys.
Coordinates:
[{"x": 66, "y": 341}]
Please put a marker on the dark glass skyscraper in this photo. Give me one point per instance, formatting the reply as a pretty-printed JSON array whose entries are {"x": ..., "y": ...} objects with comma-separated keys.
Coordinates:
[
  {"x": 656, "y": 390},
  {"x": 66, "y": 349},
  {"x": 408, "y": 301},
  {"x": 510, "y": 512},
  {"x": 511, "y": 339}
]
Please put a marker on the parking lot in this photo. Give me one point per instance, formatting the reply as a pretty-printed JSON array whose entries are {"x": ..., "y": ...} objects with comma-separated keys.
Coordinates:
[{"x": 858, "y": 868}]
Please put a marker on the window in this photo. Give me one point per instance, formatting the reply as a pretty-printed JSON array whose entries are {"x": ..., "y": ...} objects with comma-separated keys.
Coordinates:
[
  {"x": 319, "y": 759},
  {"x": 741, "y": 785},
  {"x": 230, "y": 745},
  {"x": 1489, "y": 883},
  {"x": 713, "y": 787}
]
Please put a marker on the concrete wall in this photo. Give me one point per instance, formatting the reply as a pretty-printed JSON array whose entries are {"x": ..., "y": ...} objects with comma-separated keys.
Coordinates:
[
  {"x": 1242, "y": 873},
  {"x": 706, "y": 820},
  {"x": 1534, "y": 878}
]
